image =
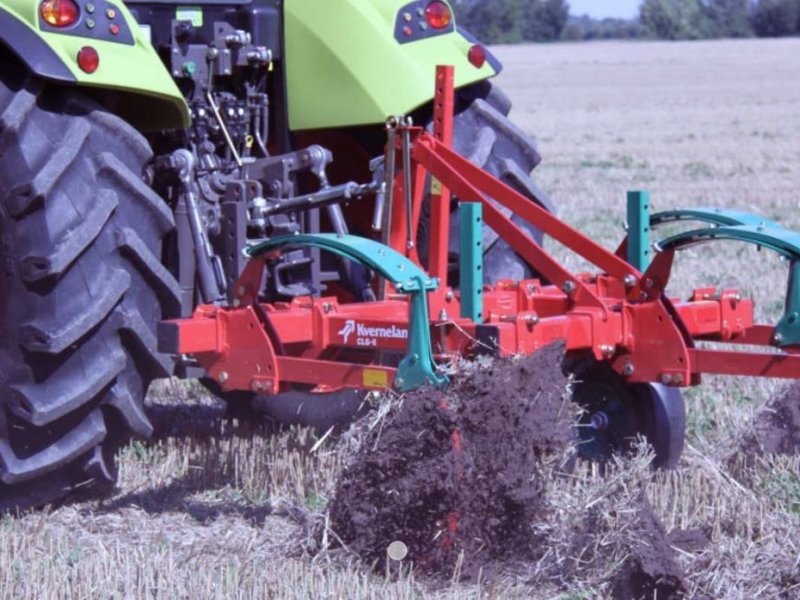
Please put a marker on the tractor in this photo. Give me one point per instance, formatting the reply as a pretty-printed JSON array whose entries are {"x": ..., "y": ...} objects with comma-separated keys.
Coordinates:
[{"x": 295, "y": 202}]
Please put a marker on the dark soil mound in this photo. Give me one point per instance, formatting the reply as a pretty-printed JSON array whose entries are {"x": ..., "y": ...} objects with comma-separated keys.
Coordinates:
[
  {"x": 459, "y": 472},
  {"x": 650, "y": 571},
  {"x": 776, "y": 429}
]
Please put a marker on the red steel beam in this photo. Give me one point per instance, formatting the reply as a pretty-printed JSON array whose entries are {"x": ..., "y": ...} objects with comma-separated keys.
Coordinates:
[
  {"x": 724, "y": 362},
  {"x": 439, "y": 239}
]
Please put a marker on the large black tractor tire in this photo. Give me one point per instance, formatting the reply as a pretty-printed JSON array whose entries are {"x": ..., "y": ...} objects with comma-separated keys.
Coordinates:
[
  {"x": 83, "y": 289},
  {"x": 484, "y": 134}
]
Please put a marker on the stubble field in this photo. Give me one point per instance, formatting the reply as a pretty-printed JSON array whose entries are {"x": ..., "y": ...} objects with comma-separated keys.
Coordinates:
[{"x": 211, "y": 508}]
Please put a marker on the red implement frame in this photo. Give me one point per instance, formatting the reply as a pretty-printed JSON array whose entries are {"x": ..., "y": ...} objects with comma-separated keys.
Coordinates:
[{"x": 619, "y": 315}]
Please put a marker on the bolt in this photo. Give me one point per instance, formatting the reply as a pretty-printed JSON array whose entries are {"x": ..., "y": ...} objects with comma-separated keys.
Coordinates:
[
  {"x": 628, "y": 369},
  {"x": 629, "y": 281},
  {"x": 599, "y": 421},
  {"x": 398, "y": 381},
  {"x": 530, "y": 288},
  {"x": 777, "y": 338},
  {"x": 327, "y": 307},
  {"x": 242, "y": 290},
  {"x": 607, "y": 350},
  {"x": 237, "y": 303},
  {"x": 449, "y": 295},
  {"x": 532, "y": 319},
  {"x": 649, "y": 283},
  {"x": 678, "y": 379},
  {"x": 443, "y": 315},
  {"x": 666, "y": 379},
  {"x": 256, "y": 385},
  {"x": 222, "y": 377},
  {"x": 568, "y": 287}
]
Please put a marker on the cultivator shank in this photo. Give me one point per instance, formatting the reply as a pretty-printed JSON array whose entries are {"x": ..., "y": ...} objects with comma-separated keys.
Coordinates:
[{"x": 620, "y": 314}]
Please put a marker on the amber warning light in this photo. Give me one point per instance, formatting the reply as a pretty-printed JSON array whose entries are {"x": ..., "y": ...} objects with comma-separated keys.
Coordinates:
[
  {"x": 59, "y": 13},
  {"x": 438, "y": 14}
]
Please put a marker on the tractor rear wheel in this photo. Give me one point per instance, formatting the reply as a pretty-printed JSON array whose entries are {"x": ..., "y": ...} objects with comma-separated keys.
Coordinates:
[
  {"x": 484, "y": 134},
  {"x": 83, "y": 289}
]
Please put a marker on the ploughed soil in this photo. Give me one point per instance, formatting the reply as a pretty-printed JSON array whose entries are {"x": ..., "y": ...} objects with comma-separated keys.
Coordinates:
[
  {"x": 776, "y": 428},
  {"x": 460, "y": 477}
]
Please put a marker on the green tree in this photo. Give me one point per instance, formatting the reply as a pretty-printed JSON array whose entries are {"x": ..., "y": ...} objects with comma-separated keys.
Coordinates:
[
  {"x": 498, "y": 21},
  {"x": 729, "y": 18},
  {"x": 544, "y": 20},
  {"x": 509, "y": 21},
  {"x": 675, "y": 19},
  {"x": 774, "y": 18}
]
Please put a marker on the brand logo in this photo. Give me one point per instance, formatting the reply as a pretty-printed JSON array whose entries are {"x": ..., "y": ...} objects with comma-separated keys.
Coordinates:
[
  {"x": 369, "y": 336},
  {"x": 347, "y": 330}
]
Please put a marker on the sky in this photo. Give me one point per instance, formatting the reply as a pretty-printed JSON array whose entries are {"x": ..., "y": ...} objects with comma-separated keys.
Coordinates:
[{"x": 605, "y": 8}]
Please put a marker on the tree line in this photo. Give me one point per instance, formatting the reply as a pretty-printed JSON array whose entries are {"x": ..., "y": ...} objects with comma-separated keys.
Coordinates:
[{"x": 512, "y": 21}]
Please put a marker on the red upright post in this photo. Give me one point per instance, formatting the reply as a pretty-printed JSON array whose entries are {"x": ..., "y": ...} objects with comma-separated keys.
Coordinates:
[{"x": 443, "y": 104}]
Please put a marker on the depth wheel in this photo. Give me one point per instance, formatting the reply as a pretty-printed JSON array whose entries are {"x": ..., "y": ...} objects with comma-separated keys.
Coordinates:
[{"x": 616, "y": 412}]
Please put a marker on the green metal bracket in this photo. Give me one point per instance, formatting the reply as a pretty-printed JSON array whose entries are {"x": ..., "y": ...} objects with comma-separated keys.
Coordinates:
[
  {"x": 712, "y": 216},
  {"x": 775, "y": 238},
  {"x": 470, "y": 218},
  {"x": 787, "y": 331},
  {"x": 639, "y": 230},
  {"x": 418, "y": 367}
]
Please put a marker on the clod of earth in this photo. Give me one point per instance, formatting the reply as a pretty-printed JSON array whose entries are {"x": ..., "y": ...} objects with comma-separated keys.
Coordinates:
[
  {"x": 458, "y": 475},
  {"x": 776, "y": 429},
  {"x": 650, "y": 571}
]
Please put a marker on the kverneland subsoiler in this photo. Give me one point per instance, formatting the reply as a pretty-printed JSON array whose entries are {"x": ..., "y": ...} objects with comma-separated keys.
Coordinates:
[{"x": 642, "y": 346}]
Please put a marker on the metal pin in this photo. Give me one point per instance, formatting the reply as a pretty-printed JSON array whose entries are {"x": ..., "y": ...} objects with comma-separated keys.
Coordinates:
[
  {"x": 386, "y": 194},
  {"x": 224, "y": 129},
  {"x": 407, "y": 183}
]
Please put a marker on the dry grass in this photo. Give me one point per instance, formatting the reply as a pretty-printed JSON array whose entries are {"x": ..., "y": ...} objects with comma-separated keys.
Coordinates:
[{"x": 213, "y": 510}]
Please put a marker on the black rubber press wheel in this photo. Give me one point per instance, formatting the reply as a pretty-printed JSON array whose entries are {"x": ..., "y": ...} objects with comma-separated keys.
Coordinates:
[
  {"x": 83, "y": 289},
  {"x": 616, "y": 412}
]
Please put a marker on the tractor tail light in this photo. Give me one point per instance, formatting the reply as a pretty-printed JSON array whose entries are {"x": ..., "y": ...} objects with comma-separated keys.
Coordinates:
[
  {"x": 88, "y": 59},
  {"x": 59, "y": 13},
  {"x": 438, "y": 14},
  {"x": 477, "y": 56}
]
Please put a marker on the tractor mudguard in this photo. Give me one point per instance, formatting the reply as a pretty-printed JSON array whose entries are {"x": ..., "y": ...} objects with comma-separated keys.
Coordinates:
[
  {"x": 350, "y": 62},
  {"x": 143, "y": 92}
]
